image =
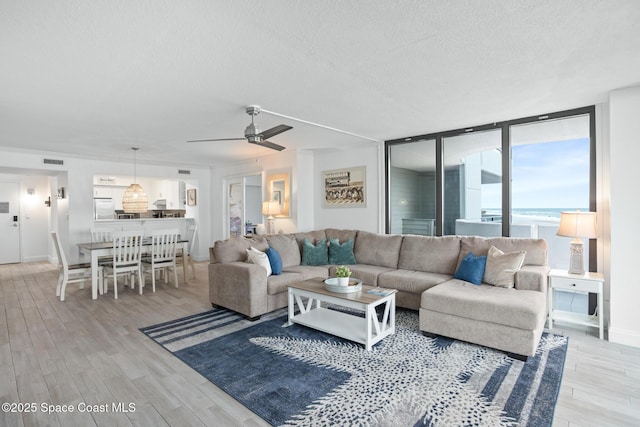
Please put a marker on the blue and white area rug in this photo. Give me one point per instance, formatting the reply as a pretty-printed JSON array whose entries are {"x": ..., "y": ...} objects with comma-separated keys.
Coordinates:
[{"x": 296, "y": 376}]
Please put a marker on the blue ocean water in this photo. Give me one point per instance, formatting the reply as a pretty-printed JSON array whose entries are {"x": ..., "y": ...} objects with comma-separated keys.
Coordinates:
[{"x": 542, "y": 212}]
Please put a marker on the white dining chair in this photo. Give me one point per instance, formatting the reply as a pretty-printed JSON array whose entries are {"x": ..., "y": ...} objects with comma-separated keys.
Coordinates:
[
  {"x": 101, "y": 235},
  {"x": 127, "y": 258},
  {"x": 191, "y": 235},
  {"x": 74, "y": 273},
  {"x": 163, "y": 255}
]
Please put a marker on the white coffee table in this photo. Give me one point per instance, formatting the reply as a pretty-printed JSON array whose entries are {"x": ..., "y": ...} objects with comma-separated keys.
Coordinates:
[{"x": 309, "y": 295}]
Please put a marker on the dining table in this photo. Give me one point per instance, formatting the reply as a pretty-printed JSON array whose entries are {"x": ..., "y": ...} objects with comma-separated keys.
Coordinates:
[{"x": 101, "y": 249}]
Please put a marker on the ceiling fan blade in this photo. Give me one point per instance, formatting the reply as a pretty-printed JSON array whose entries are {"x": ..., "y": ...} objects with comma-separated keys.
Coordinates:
[
  {"x": 268, "y": 144},
  {"x": 219, "y": 139},
  {"x": 275, "y": 131}
]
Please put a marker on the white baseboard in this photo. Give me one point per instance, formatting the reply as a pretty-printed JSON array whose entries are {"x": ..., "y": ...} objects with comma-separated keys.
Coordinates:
[
  {"x": 36, "y": 258},
  {"x": 624, "y": 336}
]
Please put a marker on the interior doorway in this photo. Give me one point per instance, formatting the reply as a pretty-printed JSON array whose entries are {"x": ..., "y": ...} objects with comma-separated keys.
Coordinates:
[
  {"x": 243, "y": 205},
  {"x": 10, "y": 222}
]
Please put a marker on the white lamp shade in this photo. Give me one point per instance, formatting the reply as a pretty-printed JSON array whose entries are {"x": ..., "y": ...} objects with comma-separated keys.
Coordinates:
[
  {"x": 135, "y": 199},
  {"x": 270, "y": 208},
  {"x": 578, "y": 224}
]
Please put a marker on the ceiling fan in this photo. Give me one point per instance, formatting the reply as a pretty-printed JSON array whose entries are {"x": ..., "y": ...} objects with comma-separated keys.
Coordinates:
[{"x": 253, "y": 134}]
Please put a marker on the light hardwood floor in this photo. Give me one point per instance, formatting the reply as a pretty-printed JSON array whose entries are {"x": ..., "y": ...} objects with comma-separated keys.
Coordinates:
[{"x": 91, "y": 352}]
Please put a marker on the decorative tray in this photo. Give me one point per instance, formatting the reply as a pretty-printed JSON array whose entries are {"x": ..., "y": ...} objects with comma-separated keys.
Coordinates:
[{"x": 331, "y": 284}]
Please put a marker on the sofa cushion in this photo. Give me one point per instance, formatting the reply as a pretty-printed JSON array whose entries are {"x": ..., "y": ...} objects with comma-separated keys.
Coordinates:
[
  {"x": 287, "y": 247},
  {"x": 312, "y": 236},
  {"x": 341, "y": 235},
  {"x": 471, "y": 269},
  {"x": 279, "y": 284},
  {"x": 519, "y": 309},
  {"x": 501, "y": 268},
  {"x": 367, "y": 273},
  {"x": 341, "y": 253},
  {"x": 431, "y": 254},
  {"x": 234, "y": 249},
  {"x": 536, "y": 249},
  {"x": 411, "y": 281},
  {"x": 314, "y": 254},
  {"x": 378, "y": 249},
  {"x": 275, "y": 260},
  {"x": 309, "y": 271},
  {"x": 259, "y": 258}
]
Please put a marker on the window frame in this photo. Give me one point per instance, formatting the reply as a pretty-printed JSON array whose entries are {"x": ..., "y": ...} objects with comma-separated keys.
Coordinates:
[{"x": 505, "y": 127}]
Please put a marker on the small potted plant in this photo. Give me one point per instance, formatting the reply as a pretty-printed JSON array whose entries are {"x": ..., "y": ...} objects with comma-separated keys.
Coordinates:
[{"x": 343, "y": 273}]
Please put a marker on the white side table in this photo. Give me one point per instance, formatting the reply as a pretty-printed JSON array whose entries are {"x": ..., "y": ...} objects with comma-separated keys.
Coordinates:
[{"x": 588, "y": 282}]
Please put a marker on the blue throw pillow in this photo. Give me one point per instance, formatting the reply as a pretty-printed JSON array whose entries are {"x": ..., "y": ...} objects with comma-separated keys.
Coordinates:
[
  {"x": 341, "y": 254},
  {"x": 471, "y": 268},
  {"x": 275, "y": 260},
  {"x": 314, "y": 254}
]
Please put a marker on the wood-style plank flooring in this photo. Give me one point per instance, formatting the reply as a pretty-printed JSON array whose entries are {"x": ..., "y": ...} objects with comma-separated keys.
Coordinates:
[{"x": 83, "y": 352}]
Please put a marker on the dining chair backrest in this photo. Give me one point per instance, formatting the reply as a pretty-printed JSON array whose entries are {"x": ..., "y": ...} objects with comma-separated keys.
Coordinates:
[
  {"x": 127, "y": 247},
  {"x": 62, "y": 259},
  {"x": 163, "y": 244},
  {"x": 192, "y": 230},
  {"x": 101, "y": 235}
]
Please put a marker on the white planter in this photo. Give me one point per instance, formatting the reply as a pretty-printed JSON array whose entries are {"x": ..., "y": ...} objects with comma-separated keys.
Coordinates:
[{"x": 343, "y": 281}]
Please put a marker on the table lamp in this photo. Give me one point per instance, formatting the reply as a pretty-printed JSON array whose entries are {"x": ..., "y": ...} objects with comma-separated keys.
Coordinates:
[
  {"x": 270, "y": 208},
  {"x": 577, "y": 225}
]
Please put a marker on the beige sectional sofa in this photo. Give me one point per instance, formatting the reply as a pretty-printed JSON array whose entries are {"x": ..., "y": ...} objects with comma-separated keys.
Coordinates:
[{"x": 421, "y": 268}]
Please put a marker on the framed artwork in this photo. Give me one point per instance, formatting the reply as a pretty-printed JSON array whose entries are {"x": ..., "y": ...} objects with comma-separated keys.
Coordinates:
[
  {"x": 191, "y": 197},
  {"x": 344, "y": 188}
]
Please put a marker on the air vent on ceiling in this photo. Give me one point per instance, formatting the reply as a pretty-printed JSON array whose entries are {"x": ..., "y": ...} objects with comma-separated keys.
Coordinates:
[
  {"x": 184, "y": 171},
  {"x": 52, "y": 162}
]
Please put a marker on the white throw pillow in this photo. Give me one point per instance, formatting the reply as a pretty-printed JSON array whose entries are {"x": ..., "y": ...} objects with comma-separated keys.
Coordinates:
[
  {"x": 501, "y": 268},
  {"x": 259, "y": 258}
]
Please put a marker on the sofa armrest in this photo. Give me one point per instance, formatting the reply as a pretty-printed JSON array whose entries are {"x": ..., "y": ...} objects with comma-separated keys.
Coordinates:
[
  {"x": 532, "y": 278},
  {"x": 239, "y": 286}
]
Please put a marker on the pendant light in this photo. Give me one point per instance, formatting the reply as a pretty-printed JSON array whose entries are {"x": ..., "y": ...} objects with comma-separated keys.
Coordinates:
[{"x": 134, "y": 199}]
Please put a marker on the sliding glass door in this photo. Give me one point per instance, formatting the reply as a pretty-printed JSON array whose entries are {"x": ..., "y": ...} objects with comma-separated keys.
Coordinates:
[
  {"x": 412, "y": 188},
  {"x": 473, "y": 184}
]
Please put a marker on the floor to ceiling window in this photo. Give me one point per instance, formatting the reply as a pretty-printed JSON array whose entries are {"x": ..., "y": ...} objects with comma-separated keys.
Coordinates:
[
  {"x": 510, "y": 178},
  {"x": 550, "y": 162},
  {"x": 473, "y": 183},
  {"x": 412, "y": 175}
]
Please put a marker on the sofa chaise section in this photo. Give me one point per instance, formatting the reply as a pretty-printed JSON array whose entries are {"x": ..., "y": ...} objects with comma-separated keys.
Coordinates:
[{"x": 508, "y": 319}]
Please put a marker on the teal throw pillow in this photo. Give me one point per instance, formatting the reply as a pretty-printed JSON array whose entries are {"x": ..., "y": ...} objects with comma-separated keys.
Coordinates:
[
  {"x": 314, "y": 254},
  {"x": 471, "y": 268},
  {"x": 341, "y": 254},
  {"x": 275, "y": 260}
]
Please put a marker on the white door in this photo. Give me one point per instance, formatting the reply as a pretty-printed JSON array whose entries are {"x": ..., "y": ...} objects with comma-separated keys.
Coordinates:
[{"x": 9, "y": 222}]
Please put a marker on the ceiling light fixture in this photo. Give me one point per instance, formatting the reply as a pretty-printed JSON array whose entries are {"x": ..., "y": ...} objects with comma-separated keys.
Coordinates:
[{"x": 134, "y": 199}]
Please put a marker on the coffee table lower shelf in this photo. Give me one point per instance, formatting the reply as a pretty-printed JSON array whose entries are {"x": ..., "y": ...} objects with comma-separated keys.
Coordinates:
[
  {"x": 333, "y": 322},
  {"x": 309, "y": 295}
]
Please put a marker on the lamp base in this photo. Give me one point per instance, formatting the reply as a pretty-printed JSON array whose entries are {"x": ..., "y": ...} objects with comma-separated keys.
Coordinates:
[
  {"x": 270, "y": 225},
  {"x": 576, "y": 262}
]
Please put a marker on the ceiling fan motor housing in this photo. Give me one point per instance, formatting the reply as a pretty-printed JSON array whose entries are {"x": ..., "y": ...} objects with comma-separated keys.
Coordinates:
[{"x": 252, "y": 133}]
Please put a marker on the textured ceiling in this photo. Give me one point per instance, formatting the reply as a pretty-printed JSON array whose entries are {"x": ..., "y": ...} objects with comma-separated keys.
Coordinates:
[{"x": 96, "y": 77}]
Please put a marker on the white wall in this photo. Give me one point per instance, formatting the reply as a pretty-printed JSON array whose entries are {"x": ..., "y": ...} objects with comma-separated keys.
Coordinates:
[
  {"x": 73, "y": 216},
  {"x": 366, "y": 218},
  {"x": 624, "y": 150}
]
